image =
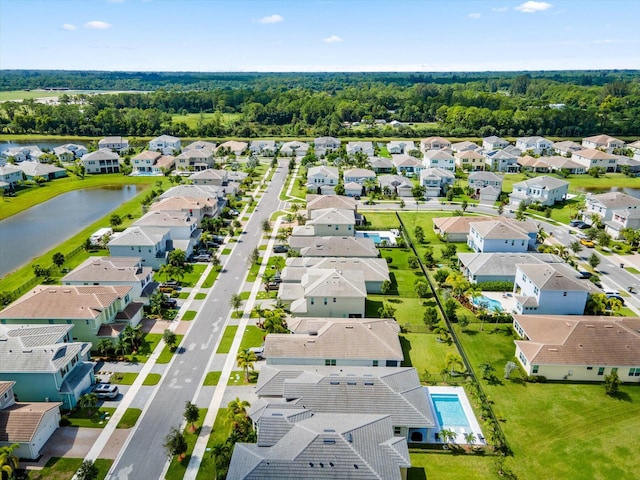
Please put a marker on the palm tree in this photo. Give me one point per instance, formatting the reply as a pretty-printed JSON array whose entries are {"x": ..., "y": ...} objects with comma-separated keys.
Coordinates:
[
  {"x": 448, "y": 436},
  {"x": 470, "y": 438},
  {"x": 167, "y": 270},
  {"x": 8, "y": 461},
  {"x": 453, "y": 360},
  {"x": 104, "y": 347},
  {"x": 487, "y": 370},
  {"x": 245, "y": 360},
  {"x": 259, "y": 311},
  {"x": 88, "y": 401}
]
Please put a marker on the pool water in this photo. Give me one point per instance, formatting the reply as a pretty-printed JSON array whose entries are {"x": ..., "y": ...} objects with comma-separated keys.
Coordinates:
[
  {"x": 373, "y": 236},
  {"x": 379, "y": 237},
  {"x": 489, "y": 303},
  {"x": 449, "y": 410}
]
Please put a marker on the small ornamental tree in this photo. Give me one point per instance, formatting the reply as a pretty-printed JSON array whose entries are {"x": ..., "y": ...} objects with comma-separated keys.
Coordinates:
[
  {"x": 612, "y": 384},
  {"x": 191, "y": 414},
  {"x": 87, "y": 471},
  {"x": 170, "y": 338},
  {"x": 175, "y": 443}
]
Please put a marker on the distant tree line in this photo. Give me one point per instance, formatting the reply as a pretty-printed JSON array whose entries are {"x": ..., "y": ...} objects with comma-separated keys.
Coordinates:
[{"x": 566, "y": 104}]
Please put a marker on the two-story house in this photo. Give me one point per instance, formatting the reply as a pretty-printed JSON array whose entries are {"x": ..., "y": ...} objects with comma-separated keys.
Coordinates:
[
  {"x": 195, "y": 160},
  {"x": 566, "y": 148},
  {"x": 266, "y": 148},
  {"x": 604, "y": 204},
  {"x": 603, "y": 142},
  {"x": 198, "y": 208},
  {"x": 322, "y": 180},
  {"x": 470, "y": 160},
  {"x": 480, "y": 180},
  {"x": 545, "y": 190},
  {"x": 436, "y": 181},
  {"x": 434, "y": 143},
  {"x": 360, "y": 147},
  {"x": 183, "y": 229},
  {"x": 359, "y": 175},
  {"x": 496, "y": 236},
  {"x": 621, "y": 219},
  {"x": 396, "y": 184},
  {"x": 333, "y": 222},
  {"x": 400, "y": 146},
  {"x": 114, "y": 143},
  {"x": 324, "y": 145},
  {"x": 144, "y": 162},
  {"x": 167, "y": 144},
  {"x": 407, "y": 165},
  {"x": 550, "y": 288},
  {"x": 591, "y": 158},
  {"x": 101, "y": 161},
  {"x": 502, "y": 161},
  {"x": 152, "y": 245},
  {"x": 294, "y": 148},
  {"x": 494, "y": 143},
  {"x": 439, "y": 159},
  {"x": 538, "y": 145},
  {"x": 10, "y": 175}
]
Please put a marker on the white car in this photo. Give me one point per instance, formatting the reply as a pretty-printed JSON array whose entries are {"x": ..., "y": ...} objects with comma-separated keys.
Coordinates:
[{"x": 105, "y": 390}]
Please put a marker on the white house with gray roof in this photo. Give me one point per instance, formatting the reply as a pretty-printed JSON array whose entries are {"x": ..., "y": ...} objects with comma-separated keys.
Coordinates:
[
  {"x": 604, "y": 204},
  {"x": 210, "y": 176},
  {"x": 363, "y": 342},
  {"x": 566, "y": 148},
  {"x": 496, "y": 236},
  {"x": 538, "y": 145},
  {"x": 46, "y": 364},
  {"x": 10, "y": 175},
  {"x": 322, "y": 180},
  {"x": 324, "y": 145},
  {"x": 550, "y": 288},
  {"x": 167, "y": 144},
  {"x": 436, "y": 181},
  {"x": 184, "y": 233},
  {"x": 265, "y": 148},
  {"x": 407, "y": 165},
  {"x": 294, "y": 149},
  {"x": 114, "y": 271},
  {"x": 494, "y": 143},
  {"x": 321, "y": 446},
  {"x": 400, "y": 146},
  {"x": 150, "y": 244},
  {"x": 351, "y": 390},
  {"x": 591, "y": 158},
  {"x": 621, "y": 219},
  {"x": 359, "y": 175},
  {"x": 381, "y": 164},
  {"x": 439, "y": 159},
  {"x": 360, "y": 147},
  {"x": 397, "y": 184},
  {"x": 195, "y": 159},
  {"x": 502, "y": 161},
  {"x": 480, "y": 268},
  {"x": 480, "y": 180},
  {"x": 603, "y": 142},
  {"x": 102, "y": 161},
  {"x": 334, "y": 246},
  {"x": 115, "y": 143},
  {"x": 545, "y": 190},
  {"x": 328, "y": 222}
]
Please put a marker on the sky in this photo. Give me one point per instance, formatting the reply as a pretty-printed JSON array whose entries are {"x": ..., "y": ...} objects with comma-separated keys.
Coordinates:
[{"x": 319, "y": 35}]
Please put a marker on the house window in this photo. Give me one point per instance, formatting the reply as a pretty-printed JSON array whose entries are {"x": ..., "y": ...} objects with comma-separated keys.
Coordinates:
[
  {"x": 312, "y": 301},
  {"x": 589, "y": 368},
  {"x": 634, "y": 372},
  {"x": 325, "y": 300},
  {"x": 330, "y": 362},
  {"x": 397, "y": 430},
  {"x": 375, "y": 363},
  {"x": 534, "y": 369},
  {"x": 522, "y": 358},
  {"x": 600, "y": 371},
  {"x": 564, "y": 294}
]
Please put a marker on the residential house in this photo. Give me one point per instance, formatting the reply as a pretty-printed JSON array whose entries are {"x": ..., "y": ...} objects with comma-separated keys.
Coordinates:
[
  {"x": 294, "y": 149},
  {"x": 321, "y": 202},
  {"x": 328, "y": 222},
  {"x": 538, "y": 145},
  {"x": 375, "y": 271},
  {"x": 23, "y": 153},
  {"x": 355, "y": 342},
  {"x": 28, "y": 425},
  {"x": 182, "y": 227},
  {"x": 45, "y": 363},
  {"x": 592, "y": 158},
  {"x": 634, "y": 146},
  {"x": 533, "y": 164},
  {"x": 494, "y": 143},
  {"x": 145, "y": 161},
  {"x": 115, "y": 272},
  {"x": 439, "y": 159},
  {"x": 167, "y": 144},
  {"x": 152, "y": 245},
  {"x": 10, "y": 175},
  {"x": 456, "y": 229},
  {"x": 210, "y": 176},
  {"x": 195, "y": 159},
  {"x": 502, "y": 161},
  {"x": 232, "y": 146},
  {"x": 360, "y": 176},
  {"x": 470, "y": 160},
  {"x": 579, "y": 348},
  {"x": 96, "y": 311},
  {"x": 322, "y": 180},
  {"x": 200, "y": 145},
  {"x": 198, "y": 208},
  {"x": 381, "y": 165},
  {"x": 513, "y": 150},
  {"x": 625, "y": 218},
  {"x": 396, "y": 184},
  {"x": 545, "y": 190},
  {"x": 604, "y": 204},
  {"x": 480, "y": 268},
  {"x": 114, "y": 143},
  {"x": 69, "y": 152},
  {"x": 496, "y": 236},
  {"x": 101, "y": 161},
  {"x": 566, "y": 148},
  {"x": 630, "y": 164},
  {"x": 265, "y": 148},
  {"x": 434, "y": 143},
  {"x": 550, "y": 288},
  {"x": 603, "y": 142},
  {"x": 465, "y": 146},
  {"x": 480, "y": 180},
  {"x": 436, "y": 181},
  {"x": 558, "y": 163},
  {"x": 360, "y": 147},
  {"x": 400, "y": 146},
  {"x": 349, "y": 246},
  {"x": 326, "y": 293},
  {"x": 353, "y": 189},
  {"x": 320, "y": 446},
  {"x": 394, "y": 391},
  {"x": 324, "y": 145},
  {"x": 407, "y": 165}
]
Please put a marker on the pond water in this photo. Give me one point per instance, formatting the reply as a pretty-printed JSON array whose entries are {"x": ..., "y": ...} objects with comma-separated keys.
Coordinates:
[
  {"x": 39, "y": 229},
  {"x": 634, "y": 192},
  {"x": 42, "y": 144}
]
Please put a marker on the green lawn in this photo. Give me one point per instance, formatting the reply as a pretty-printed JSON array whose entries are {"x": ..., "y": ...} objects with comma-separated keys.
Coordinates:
[
  {"x": 190, "y": 279},
  {"x": 166, "y": 355},
  {"x": 189, "y": 315},
  {"x": 423, "y": 352},
  {"x": 94, "y": 418},
  {"x": 253, "y": 337},
  {"x": 152, "y": 379},
  {"x": 226, "y": 251},
  {"x": 129, "y": 418},
  {"x": 447, "y": 466},
  {"x": 227, "y": 339},
  {"x": 212, "y": 379},
  {"x": 200, "y": 296},
  {"x": 183, "y": 295},
  {"x": 177, "y": 467},
  {"x": 126, "y": 378},
  {"x": 58, "y": 468},
  {"x": 219, "y": 434},
  {"x": 253, "y": 270},
  {"x": 149, "y": 344},
  {"x": 192, "y": 119},
  {"x": 237, "y": 378},
  {"x": 211, "y": 278}
]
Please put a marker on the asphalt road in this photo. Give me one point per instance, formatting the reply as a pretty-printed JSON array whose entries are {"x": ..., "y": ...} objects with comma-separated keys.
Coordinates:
[{"x": 144, "y": 456}]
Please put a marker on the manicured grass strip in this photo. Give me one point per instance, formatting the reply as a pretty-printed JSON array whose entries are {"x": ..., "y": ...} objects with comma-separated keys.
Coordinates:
[
  {"x": 129, "y": 418},
  {"x": 189, "y": 315},
  {"x": 167, "y": 354},
  {"x": 183, "y": 295},
  {"x": 57, "y": 468},
  {"x": 635, "y": 271},
  {"x": 447, "y": 466},
  {"x": 103, "y": 465},
  {"x": 211, "y": 278},
  {"x": 219, "y": 434},
  {"x": 253, "y": 337},
  {"x": 273, "y": 294},
  {"x": 178, "y": 467},
  {"x": 200, "y": 296},
  {"x": 226, "y": 251},
  {"x": 123, "y": 378},
  {"x": 253, "y": 270},
  {"x": 92, "y": 419},
  {"x": 237, "y": 378},
  {"x": 152, "y": 379},
  {"x": 212, "y": 378},
  {"x": 245, "y": 295},
  {"x": 227, "y": 339},
  {"x": 262, "y": 247}
]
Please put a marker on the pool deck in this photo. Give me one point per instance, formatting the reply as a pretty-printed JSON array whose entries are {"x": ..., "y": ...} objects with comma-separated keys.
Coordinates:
[
  {"x": 474, "y": 426},
  {"x": 507, "y": 300}
]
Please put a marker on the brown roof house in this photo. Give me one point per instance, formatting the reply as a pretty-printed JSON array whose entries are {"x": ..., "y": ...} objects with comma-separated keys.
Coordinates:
[{"x": 579, "y": 348}]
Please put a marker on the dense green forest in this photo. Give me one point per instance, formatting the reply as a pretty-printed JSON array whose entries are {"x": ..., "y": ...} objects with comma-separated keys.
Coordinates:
[{"x": 565, "y": 104}]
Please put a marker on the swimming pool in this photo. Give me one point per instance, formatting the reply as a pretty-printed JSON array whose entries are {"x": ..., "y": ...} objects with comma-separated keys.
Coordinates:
[
  {"x": 449, "y": 410},
  {"x": 379, "y": 237},
  {"x": 489, "y": 303}
]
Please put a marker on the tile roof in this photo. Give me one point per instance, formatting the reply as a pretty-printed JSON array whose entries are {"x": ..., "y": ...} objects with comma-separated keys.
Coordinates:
[
  {"x": 335, "y": 246},
  {"x": 20, "y": 422},
  {"x": 594, "y": 154},
  {"x": 139, "y": 235},
  {"x": 542, "y": 182},
  {"x": 499, "y": 230},
  {"x": 147, "y": 155},
  {"x": 373, "y": 269},
  {"x": 318, "y": 202},
  {"x": 500, "y": 264},
  {"x": 102, "y": 154},
  {"x": 554, "y": 276},
  {"x": 332, "y": 216},
  {"x": 109, "y": 269},
  {"x": 359, "y": 172},
  {"x": 603, "y": 140},
  {"x": 194, "y": 191},
  {"x": 614, "y": 200}
]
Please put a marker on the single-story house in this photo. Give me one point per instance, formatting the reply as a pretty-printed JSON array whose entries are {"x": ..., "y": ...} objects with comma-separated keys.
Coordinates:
[
  {"x": 10, "y": 175},
  {"x": 400, "y": 146},
  {"x": 353, "y": 189},
  {"x": 381, "y": 164},
  {"x": 566, "y": 148},
  {"x": 407, "y": 165},
  {"x": 232, "y": 146},
  {"x": 465, "y": 146},
  {"x": 633, "y": 164},
  {"x": 360, "y": 147},
  {"x": 33, "y": 170},
  {"x": 334, "y": 247},
  {"x": 210, "y": 176},
  {"x": 200, "y": 145}
]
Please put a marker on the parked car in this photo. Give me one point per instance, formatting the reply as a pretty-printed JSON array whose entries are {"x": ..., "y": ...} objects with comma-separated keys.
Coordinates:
[
  {"x": 234, "y": 213},
  {"x": 105, "y": 390},
  {"x": 280, "y": 249},
  {"x": 617, "y": 297},
  {"x": 258, "y": 351},
  {"x": 170, "y": 283},
  {"x": 169, "y": 303},
  {"x": 203, "y": 257},
  {"x": 610, "y": 293},
  {"x": 586, "y": 242},
  {"x": 585, "y": 274},
  {"x": 166, "y": 289}
]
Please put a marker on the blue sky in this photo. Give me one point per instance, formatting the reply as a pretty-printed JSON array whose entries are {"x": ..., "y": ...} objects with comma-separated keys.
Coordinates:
[{"x": 319, "y": 35}]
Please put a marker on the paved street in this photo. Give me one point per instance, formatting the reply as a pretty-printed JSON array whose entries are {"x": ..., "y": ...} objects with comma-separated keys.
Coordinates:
[{"x": 143, "y": 456}]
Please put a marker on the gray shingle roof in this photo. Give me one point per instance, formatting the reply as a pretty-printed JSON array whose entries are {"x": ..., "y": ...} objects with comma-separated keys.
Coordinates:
[
  {"x": 108, "y": 269},
  {"x": 554, "y": 276},
  {"x": 501, "y": 264}
]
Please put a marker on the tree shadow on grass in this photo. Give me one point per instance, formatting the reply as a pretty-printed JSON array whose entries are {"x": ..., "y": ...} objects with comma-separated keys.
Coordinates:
[
  {"x": 623, "y": 396},
  {"x": 415, "y": 473},
  {"x": 406, "y": 348}
]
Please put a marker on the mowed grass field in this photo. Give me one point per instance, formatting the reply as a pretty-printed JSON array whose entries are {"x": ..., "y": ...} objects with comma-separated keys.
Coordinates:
[{"x": 191, "y": 119}]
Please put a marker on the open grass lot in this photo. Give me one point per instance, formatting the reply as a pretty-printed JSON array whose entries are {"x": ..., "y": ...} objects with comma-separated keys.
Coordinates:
[
  {"x": 192, "y": 119},
  {"x": 178, "y": 467},
  {"x": 63, "y": 469},
  {"x": 563, "y": 431},
  {"x": 24, "y": 94},
  {"x": 425, "y": 220}
]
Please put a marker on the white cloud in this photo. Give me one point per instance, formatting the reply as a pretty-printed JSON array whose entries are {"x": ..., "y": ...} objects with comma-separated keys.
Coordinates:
[
  {"x": 533, "y": 7},
  {"x": 68, "y": 26},
  {"x": 500, "y": 9},
  {"x": 474, "y": 15},
  {"x": 97, "y": 25},
  {"x": 275, "y": 18},
  {"x": 332, "y": 39}
]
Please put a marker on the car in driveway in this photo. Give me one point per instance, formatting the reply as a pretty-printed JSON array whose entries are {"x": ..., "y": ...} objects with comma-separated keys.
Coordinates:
[
  {"x": 203, "y": 257},
  {"x": 586, "y": 242},
  {"x": 258, "y": 352},
  {"x": 106, "y": 390},
  {"x": 280, "y": 249},
  {"x": 169, "y": 303},
  {"x": 584, "y": 274}
]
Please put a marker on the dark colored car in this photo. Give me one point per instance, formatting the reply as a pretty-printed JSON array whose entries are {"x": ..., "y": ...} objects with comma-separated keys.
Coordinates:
[
  {"x": 585, "y": 274},
  {"x": 170, "y": 303},
  {"x": 280, "y": 249}
]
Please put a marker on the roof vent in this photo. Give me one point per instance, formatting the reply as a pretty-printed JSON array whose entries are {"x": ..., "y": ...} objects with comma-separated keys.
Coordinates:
[
  {"x": 553, "y": 349},
  {"x": 349, "y": 327},
  {"x": 591, "y": 326},
  {"x": 608, "y": 326}
]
